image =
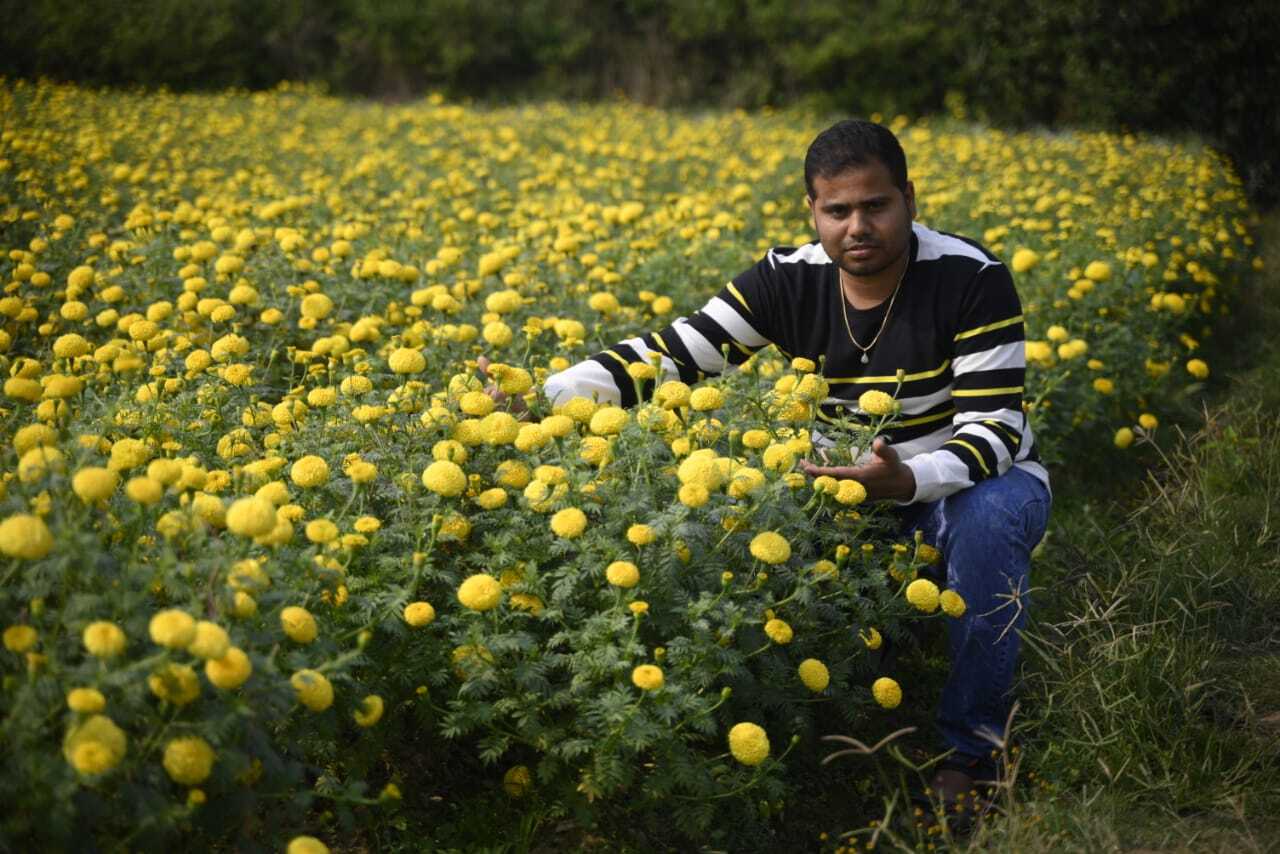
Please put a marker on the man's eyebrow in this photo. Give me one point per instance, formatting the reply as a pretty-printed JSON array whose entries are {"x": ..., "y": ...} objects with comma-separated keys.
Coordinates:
[{"x": 845, "y": 203}]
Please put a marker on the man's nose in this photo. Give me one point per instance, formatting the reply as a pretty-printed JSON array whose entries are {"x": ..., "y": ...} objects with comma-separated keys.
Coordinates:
[{"x": 858, "y": 224}]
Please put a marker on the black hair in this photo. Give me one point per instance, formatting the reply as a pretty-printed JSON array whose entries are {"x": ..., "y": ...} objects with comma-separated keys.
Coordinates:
[{"x": 854, "y": 142}]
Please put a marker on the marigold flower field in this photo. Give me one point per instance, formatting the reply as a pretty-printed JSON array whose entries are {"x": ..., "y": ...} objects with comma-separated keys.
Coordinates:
[{"x": 271, "y": 554}]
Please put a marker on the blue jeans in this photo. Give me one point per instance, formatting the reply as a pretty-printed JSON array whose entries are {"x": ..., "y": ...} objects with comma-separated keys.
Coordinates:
[{"x": 986, "y": 534}]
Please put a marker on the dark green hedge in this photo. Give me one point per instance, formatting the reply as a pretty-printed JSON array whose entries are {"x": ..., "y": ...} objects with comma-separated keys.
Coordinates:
[{"x": 1206, "y": 66}]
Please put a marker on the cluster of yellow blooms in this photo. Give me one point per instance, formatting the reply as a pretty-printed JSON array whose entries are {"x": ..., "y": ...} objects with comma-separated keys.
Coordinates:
[{"x": 222, "y": 325}]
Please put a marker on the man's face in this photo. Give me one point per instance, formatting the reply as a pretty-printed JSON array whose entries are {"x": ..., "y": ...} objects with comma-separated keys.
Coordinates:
[{"x": 863, "y": 221}]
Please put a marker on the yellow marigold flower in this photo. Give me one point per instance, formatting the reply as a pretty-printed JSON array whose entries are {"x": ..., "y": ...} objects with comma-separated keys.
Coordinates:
[
  {"x": 251, "y": 517},
  {"x": 312, "y": 689},
  {"x": 368, "y": 524},
  {"x": 103, "y": 639},
  {"x": 608, "y": 420},
  {"x": 887, "y": 692},
  {"x": 1097, "y": 271},
  {"x": 824, "y": 568},
  {"x": 700, "y": 468},
  {"x": 952, "y": 603},
  {"x": 871, "y": 638},
  {"x": 449, "y": 450},
  {"x": 639, "y": 607},
  {"x": 928, "y": 554},
  {"x": 1148, "y": 421},
  {"x": 362, "y": 471},
  {"x": 1024, "y": 259},
  {"x": 693, "y": 495},
  {"x": 243, "y": 605},
  {"x": 749, "y": 743},
  {"x": 22, "y": 388},
  {"x": 622, "y": 573},
  {"x": 19, "y": 638},
  {"x": 801, "y": 365},
  {"x": 778, "y": 631},
  {"x": 672, "y": 394},
  {"x": 1102, "y": 385},
  {"x": 744, "y": 481},
  {"x": 1123, "y": 438},
  {"x": 87, "y": 701},
  {"x": 38, "y": 462},
  {"x": 480, "y": 592},
  {"x": 647, "y": 677},
  {"x": 321, "y": 531},
  {"x": 95, "y": 746},
  {"x": 407, "y": 360},
  {"x": 770, "y": 547},
  {"x": 531, "y": 437},
  {"x": 34, "y": 436},
  {"x": 923, "y": 594},
  {"x": 165, "y": 471},
  {"x": 188, "y": 760},
  {"x": 569, "y": 523},
  {"x": 175, "y": 683},
  {"x": 309, "y": 471},
  {"x": 306, "y": 845},
  {"x": 850, "y": 492},
  {"x": 173, "y": 628},
  {"x": 814, "y": 674},
  {"x": 230, "y": 671},
  {"x": 641, "y": 535},
  {"x": 499, "y": 428},
  {"x": 128, "y": 453},
  {"x": 779, "y": 457},
  {"x": 144, "y": 490},
  {"x": 877, "y": 403},
  {"x": 557, "y": 426},
  {"x": 641, "y": 371},
  {"x": 370, "y": 711},
  {"x": 210, "y": 641},
  {"x": 755, "y": 439},
  {"x": 298, "y": 624},
  {"x": 26, "y": 536},
  {"x": 316, "y": 306},
  {"x": 706, "y": 399},
  {"x": 1198, "y": 368},
  {"x": 492, "y": 499},
  {"x": 444, "y": 478},
  {"x": 418, "y": 614},
  {"x": 527, "y": 602},
  {"x": 517, "y": 782},
  {"x": 476, "y": 403}
]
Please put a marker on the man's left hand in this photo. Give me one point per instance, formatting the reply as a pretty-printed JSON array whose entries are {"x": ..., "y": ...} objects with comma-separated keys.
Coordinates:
[{"x": 884, "y": 475}]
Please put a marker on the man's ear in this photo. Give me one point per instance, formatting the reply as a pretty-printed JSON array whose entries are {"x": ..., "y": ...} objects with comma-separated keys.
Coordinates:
[{"x": 909, "y": 194}]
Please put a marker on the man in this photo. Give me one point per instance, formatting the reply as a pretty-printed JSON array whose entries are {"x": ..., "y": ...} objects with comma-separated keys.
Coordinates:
[{"x": 874, "y": 297}]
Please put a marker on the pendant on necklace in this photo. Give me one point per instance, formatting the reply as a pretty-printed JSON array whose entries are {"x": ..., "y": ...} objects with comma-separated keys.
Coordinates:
[{"x": 865, "y": 360}]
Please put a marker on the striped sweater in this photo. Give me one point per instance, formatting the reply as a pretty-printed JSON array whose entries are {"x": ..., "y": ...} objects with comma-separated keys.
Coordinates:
[{"x": 956, "y": 331}]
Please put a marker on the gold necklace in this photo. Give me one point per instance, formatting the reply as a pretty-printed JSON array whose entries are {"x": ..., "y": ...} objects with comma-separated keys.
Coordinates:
[{"x": 844, "y": 308}]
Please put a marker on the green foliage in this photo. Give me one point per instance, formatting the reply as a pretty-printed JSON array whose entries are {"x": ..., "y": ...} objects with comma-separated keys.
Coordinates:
[{"x": 1168, "y": 66}]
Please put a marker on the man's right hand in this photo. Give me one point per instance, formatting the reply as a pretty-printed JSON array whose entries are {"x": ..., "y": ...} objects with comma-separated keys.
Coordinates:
[{"x": 515, "y": 404}]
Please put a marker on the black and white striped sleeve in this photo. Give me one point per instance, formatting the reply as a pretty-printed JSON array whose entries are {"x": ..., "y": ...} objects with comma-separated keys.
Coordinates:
[{"x": 723, "y": 334}]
